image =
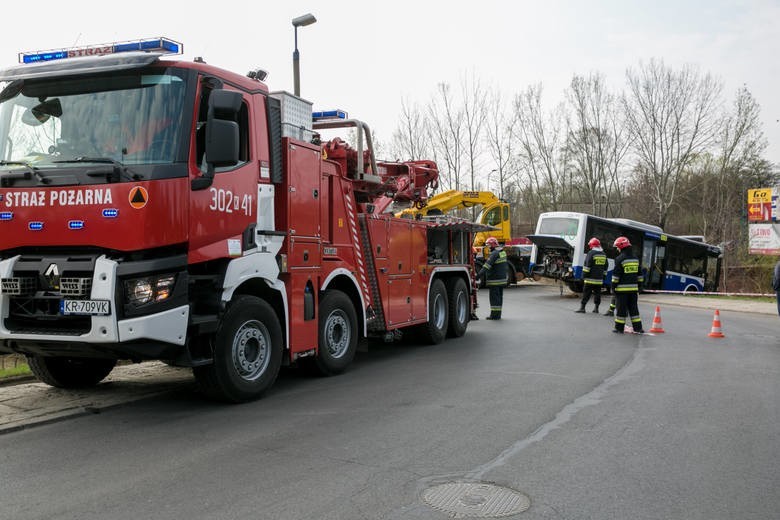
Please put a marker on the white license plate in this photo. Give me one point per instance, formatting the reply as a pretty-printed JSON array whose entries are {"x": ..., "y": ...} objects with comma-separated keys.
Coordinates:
[{"x": 85, "y": 307}]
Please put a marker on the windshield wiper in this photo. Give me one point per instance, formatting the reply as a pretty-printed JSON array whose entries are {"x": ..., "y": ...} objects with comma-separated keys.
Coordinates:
[
  {"x": 119, "y": 170},
  {"x": 31, "y": 170}
]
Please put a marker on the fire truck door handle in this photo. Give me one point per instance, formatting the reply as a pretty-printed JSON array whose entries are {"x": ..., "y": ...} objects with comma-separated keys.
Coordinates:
[
  {"x": 383, "y": 269},
  {"x": 315, "y": 193}
]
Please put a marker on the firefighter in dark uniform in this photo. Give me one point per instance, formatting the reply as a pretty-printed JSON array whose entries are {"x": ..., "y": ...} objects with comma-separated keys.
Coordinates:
[
  {"x": 625, "y": 283},
  {"x": 593, "y": 274},
  {"x": 611, "y": 310},
  {"x": 495, "y": 271}
]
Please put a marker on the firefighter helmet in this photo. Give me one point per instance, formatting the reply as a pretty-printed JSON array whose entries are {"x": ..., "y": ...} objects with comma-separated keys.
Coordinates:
[
  {"x": 594, "y": 242},
  {"x": 622, "y": 243},
  {"x": 491, "y": 242}
]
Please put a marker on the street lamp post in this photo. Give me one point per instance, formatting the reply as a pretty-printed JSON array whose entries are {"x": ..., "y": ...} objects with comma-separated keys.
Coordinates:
[{"x": 300, "y": 21}]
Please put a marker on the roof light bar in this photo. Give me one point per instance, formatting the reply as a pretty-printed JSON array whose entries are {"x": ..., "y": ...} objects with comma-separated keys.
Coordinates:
[
  {"x": 164, "y": 45},
  {"x": 328, "y": 114}
]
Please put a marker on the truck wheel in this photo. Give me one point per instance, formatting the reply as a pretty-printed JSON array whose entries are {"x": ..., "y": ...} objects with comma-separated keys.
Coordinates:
[
  {"x": 338, "y": 335},
  {"x": 459, "y": 303},
  {"x": 435, "y": 330},
  {"x": 70, "y": 372},
  {"x": 247, "y": 352}
]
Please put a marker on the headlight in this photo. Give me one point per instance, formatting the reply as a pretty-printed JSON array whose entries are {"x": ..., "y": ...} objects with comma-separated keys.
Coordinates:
[{"x": 140, "y": 291}]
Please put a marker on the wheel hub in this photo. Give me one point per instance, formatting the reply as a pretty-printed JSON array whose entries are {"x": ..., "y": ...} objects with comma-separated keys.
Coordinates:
[
  {"x": 337, "y": 334},
  {"x": 251, "y": 351}
]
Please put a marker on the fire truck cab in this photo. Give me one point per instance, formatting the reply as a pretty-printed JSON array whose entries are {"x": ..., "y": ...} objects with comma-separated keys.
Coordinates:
[{"x": 160, "y": 209}]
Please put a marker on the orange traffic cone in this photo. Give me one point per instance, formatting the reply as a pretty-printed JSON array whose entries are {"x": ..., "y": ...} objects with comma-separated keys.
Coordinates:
[
  {"x": 657, "y": 327},
  {"x": 716, "y": 333}
]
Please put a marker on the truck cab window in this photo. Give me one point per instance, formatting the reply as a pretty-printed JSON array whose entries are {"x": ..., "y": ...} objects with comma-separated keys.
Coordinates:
[{"x": 200, "y": 133}]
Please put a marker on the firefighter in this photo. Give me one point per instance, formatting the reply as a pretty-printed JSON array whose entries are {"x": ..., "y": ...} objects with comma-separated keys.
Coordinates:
[
  {"x": 625, "y": 282},
  {"x": 611, "y": 310},
  {"x": 495, "y": 270},
  {"x": 593, "y": 274}
]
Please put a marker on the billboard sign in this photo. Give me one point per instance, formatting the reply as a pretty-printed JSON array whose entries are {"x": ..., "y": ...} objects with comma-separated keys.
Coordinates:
[
  {"x": 760, "y": 205},
  {"x": 764, "y": 239}
]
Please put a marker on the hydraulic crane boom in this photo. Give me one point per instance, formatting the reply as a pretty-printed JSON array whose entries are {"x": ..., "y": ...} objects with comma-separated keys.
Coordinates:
[{"x": 495, "y": 212}]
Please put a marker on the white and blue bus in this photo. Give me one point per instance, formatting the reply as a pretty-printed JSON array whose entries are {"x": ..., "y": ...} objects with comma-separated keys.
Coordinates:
[{"x": 669, "y": 263}]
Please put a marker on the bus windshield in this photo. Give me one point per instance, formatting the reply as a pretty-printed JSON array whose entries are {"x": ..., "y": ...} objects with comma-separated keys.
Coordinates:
[
  {"x": 133, "y": 117},
  {"x": 558, "y": 226}
]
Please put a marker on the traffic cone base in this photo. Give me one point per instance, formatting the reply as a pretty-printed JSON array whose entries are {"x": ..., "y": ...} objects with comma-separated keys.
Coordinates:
[
  {"x": 657, "y": 327},
  {"x": 716, "y": 332}
]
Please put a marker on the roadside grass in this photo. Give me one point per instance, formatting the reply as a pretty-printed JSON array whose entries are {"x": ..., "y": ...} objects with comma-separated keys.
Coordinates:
[
  {"x": 737, "y": 297},
  {"x": 13, "y": 366},
  {"x": 762, "y": 299}
]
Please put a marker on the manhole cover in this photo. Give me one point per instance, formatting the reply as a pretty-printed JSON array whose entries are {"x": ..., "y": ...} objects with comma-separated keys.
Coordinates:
[{"x": 475, "y": 500}]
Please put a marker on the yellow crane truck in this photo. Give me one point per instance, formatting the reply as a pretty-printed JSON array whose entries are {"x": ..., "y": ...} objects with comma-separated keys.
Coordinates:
[{"x": 494, "y": 213}]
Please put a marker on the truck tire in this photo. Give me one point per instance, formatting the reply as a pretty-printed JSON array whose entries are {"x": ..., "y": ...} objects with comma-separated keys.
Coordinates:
[
  {"x": 338, "y": 335},
  {"x": 435, "y": 330},
  {"x": 459, "y": 303},
  {"x": 247, "y": 352},
  {"x": 70, "y": 372}
]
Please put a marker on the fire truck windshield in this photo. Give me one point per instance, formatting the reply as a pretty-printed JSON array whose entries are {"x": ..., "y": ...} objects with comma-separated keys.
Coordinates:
[{"x": 132, "y": 117}]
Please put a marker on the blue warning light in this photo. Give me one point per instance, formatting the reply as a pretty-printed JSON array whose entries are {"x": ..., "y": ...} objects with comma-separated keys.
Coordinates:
[
  {"x": 160, "y": 44},
  {"x": 110, "y": 213},
  {"x": 75, "y": 224},
  {"x": 6, "y": 215},
  {"x": 328, "y": 114},
  {"x": 35, "y": 226}
]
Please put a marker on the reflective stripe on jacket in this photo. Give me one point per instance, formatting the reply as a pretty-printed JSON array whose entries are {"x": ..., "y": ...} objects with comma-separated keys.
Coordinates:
[
  {"x": 495, "y": 267},
  {"x": 627, "y": 275},
  {"x": 594, "y": 266}
]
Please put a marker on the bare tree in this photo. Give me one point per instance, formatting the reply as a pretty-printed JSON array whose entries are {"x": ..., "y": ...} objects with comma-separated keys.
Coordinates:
[
  {"x": 597, "y": 143},
  {"x": 474, "y": 116},
  {"x": 412, "y": 137},
  {"x": 447, "y": 136},
  {"x": 671, "y": 116},
  {"x": 540, "y": 151},
  {"x": 500, "y": 139}
]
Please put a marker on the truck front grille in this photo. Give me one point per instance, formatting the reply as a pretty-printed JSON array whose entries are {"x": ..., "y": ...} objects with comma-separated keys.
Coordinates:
[
  {"x": 18, "y": 286},
  {"x": 76, "y": 287}
]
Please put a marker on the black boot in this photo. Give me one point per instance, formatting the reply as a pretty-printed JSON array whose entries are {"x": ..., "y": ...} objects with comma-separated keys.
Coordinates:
[
  {"x": 596, "y": 309},
  {"x": 581, "y": 309}
]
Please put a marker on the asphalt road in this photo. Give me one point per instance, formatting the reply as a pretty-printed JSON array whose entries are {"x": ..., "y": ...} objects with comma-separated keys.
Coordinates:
[{"x": 545, "y": 403}]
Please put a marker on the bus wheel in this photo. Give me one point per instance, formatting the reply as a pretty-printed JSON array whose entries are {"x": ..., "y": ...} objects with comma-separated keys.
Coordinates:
[
  {"x": 338, "y": 335},
  {"x": 459, "y": 301},
  {"x": 435, "y": 330},
  {"x": 247, "y": 352},
  {"x": 63, "y": 372}
]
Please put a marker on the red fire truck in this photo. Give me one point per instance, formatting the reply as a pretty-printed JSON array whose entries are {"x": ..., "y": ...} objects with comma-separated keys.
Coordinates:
[{"x": 160, "y": 209}]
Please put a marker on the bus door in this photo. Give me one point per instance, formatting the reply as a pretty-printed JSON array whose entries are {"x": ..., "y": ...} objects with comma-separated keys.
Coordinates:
[{"x": 652, "y": 260}]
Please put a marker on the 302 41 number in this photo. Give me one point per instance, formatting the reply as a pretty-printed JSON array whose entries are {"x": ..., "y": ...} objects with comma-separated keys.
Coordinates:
[{"x": 225, "y": 201}]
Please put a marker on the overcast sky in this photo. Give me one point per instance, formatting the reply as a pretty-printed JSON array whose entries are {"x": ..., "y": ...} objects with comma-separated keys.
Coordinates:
[{"x": 364, "y": 56}]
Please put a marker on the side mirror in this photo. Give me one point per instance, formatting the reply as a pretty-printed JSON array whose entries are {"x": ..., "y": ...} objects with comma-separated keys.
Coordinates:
[{"x": 222, "y": 135}]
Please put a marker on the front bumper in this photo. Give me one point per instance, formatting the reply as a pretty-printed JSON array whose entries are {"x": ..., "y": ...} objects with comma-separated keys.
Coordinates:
[{"x": 168, "y": 326}]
